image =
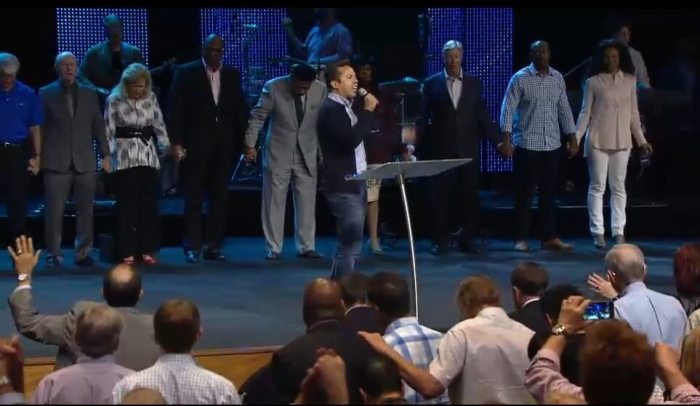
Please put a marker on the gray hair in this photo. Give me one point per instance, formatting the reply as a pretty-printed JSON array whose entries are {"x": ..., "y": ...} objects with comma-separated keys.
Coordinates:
[
  {"x": 627, "y": 262},
  {"x": 63, "y": 55},
  {"x": 132, "y": 73},
  {"x": 9, "y": 64},
  {"x": 450, "y": 45},
  {"x": 97, "y": 331}
]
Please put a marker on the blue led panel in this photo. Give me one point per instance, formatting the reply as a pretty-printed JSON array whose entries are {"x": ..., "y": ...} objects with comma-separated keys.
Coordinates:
[
  {"x": 487, "y": 36},
  {"x": 253, "y": 38}
]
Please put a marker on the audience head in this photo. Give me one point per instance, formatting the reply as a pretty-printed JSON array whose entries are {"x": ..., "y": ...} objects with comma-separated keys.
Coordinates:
[
  {"x": 626, "y": 262},
  {"x": 177, "y": 326},
  {"x": 690, "y": 357},
  {"x": 620, "y": 30},
  {"x": 143, "y": 396},
  {"x": 570, "y": 366},
  {"x": 322, "y": 301},
  {"x": 389, "y": 293},
  {"x": 551, "y": 299},
  {"x": 381, "y": 382},
  {"x": 476, "y": 293},
  {"x": 617, "y": 364},
  {"x": 135, "y": 83},
  {"x": 686, "y": 270},
  {"x": 302, "y": 77},
  {"x": 363, "y": 67},
  {"x": 341, "y": 79},
  {"x": 325, "y": 16},
  {"x": 610, "y": 56},
  {"x": 114, "y": 28},
  {"x": 540, "y": 54},
  {"x": 528, "y": 280},
  {"x": 66, "y": 66},
  {"x": 121, "y": 286},
  {"x": 213, "y": 51},
  {"x": 354, "y": 289},
  {"x": 97, "y": 331},
  {"x": 9, "y": 66},
  {"x": 452, "y": 54}
]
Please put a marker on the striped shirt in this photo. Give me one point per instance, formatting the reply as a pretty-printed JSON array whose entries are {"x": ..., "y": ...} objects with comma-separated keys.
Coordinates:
[
  {"x": 417, "y": 344},
  {"x": 536, "y": 110},
  {"x": 178, "y": 378}
]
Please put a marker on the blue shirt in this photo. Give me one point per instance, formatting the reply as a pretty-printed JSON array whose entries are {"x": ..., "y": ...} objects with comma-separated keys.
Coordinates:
[
  {"x": 20, "y": 108},
  {"x": 329, "y": 45},
  {"x": 536, "y": 109},
  {"x": 661, "y": 317}
]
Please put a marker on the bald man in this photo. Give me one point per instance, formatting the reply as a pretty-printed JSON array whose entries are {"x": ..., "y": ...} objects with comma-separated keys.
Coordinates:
[
  {"x": 208, "y": 119},
  {"x": 121, "y": 289},
  {"x": 661, "y": 317},
  {"x": 322, "y": 312},
  {"x": 141, "y": 396}
]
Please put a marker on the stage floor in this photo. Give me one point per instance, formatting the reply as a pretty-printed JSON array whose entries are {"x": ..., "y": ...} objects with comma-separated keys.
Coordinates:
[{"x": 250, "y": 302}]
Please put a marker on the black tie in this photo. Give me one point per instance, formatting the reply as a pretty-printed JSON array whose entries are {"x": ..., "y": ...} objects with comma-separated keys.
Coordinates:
[{"x": 299, "y": 106}]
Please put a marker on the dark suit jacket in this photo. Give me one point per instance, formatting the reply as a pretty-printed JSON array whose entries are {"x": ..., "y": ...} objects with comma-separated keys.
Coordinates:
[
  {"x": 446, "y": 132},
  {"x": 137, "y": 347},
  {"x": 532, "y": 317},
  {"x": 259, "y": 388},
  {"x": 196, "y": 121},
  {"x": 362, "y": 318},
  {"x": 338, "y": 139},
  {"x": 67, "y": 139},
  {"x": 289, "y": 364}
]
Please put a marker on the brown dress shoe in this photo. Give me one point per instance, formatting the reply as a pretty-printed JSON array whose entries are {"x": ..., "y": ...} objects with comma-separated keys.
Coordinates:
[{"x": 556, "y": 244}]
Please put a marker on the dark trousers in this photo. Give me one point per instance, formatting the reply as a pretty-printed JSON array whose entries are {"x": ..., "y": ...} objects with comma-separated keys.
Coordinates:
[
  {"x": 349, "y": 211},
  {"x": 14, "y": 160},
  {"x": 535, "y": 168},
  {"x": 207, "y": 172},
  {"x": 457, "y": 188},
  {"x": 137, "y": 207}
]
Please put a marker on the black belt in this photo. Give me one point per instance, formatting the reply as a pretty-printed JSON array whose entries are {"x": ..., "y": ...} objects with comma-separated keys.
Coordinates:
[{"x": 144, "y": 134}]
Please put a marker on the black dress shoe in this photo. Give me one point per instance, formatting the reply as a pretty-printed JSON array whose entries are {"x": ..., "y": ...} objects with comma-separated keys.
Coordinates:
[
  {"x": 85, "y": 261},
  {"x": 438, "y": 249},
  {"x": 213, "y": 254},
  {"x": 272, "y": 256},
  {"x": 54, "y": 261},
  {"x": 310, "y": 254},
  {"x": 191, "y": 256}
]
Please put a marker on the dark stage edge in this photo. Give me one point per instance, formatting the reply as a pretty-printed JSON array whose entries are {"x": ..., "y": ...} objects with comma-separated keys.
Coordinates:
[{"x": 251, "y": 302}]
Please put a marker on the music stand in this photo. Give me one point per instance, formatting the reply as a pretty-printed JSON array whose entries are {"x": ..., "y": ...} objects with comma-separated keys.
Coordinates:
[{"x": 401, "y": 171}]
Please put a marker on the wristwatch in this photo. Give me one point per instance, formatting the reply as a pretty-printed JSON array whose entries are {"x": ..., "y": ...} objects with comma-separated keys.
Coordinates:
[
  {"x": 559, "y": 330},
  {"x": 23, "y": 277}
]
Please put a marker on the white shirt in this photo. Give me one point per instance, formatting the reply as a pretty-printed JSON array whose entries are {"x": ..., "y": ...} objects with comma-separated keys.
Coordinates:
[
  {"x": 454, "y": 87},
  {"x": 484, "y": 360},
  {"x": 180, "y": 381},
  {"x": 360, "y": 155},
  {"x": 214, "y": 77},
  {"x": 640, "y": 68}
]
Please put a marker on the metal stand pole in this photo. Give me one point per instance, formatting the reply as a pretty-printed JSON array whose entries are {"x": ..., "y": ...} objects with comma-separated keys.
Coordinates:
[{"x": 412, "y": 249}]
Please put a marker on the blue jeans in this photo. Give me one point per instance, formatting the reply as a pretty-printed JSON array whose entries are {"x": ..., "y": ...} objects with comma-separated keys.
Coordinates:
[{"x": 349, "y": 212}]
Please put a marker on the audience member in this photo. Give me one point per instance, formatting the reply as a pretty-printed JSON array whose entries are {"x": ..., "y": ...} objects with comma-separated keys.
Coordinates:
[
  {"x": 690, "y": 357},
  {"x": 92, "y": 379},
  {"x": 359, "y": 315},
  {"x": 482, "y": 358},
  {"x": 528, "y": 280},
  {"x": 382, "y": 384},
  {"x": 418, "y": 344},
  {"x": 175, "y": 375},
  {"x": 121, "y": 289},
  {"x": 141, "y": 396},
  {"x": 325, "y": 381},
  {"x": 686, "y": 274},
  {"x": 660, "y": 317},
  {"x": 323, "y": 313},
  {"x": 11, "y": 368}
]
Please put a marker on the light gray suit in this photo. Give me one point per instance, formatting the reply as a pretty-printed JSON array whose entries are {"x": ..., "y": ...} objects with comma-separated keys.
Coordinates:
[
  {"x": 68, "y": 160},
  {"x": 291, "y": 153},
  {"x": 137, "y": 347}
]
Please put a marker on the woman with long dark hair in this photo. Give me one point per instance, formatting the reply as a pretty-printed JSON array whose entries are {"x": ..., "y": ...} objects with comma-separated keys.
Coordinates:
[{"x": 609, "y": 118}]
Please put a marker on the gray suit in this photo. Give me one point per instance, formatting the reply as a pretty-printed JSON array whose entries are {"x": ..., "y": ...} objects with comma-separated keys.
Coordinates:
[
  {"x": 137, "y": 347},
  {"x": 291, "y": 153},
  {"x": 68, "y": 160}
]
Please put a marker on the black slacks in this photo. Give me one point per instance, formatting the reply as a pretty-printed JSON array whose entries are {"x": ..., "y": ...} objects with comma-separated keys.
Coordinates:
[
  {"x": 535, "y": 168},
  {"x": 460, "y": 188},
  {"x": 137, "y": 192},
  {"x": 14, "y": 160}
]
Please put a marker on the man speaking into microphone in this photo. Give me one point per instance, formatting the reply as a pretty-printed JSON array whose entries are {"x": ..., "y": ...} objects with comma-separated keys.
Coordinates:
[{"x": 341, "y": 133}]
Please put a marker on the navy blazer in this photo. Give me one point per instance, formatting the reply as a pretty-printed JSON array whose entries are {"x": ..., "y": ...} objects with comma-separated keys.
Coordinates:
[{"x": 338, "y": 140}]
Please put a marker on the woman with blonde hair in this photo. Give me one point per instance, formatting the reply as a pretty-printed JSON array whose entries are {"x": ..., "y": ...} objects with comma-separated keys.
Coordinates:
[{"x": 136, "y": 134}]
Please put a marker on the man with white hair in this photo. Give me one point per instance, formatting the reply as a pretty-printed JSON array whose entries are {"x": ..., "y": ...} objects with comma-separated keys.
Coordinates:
[
  {"x": 73, "y": 119},
  {"x": 454, "y": 120},
  {"x": 661, "y": 317},
  {"x": 20, "y": 115}
]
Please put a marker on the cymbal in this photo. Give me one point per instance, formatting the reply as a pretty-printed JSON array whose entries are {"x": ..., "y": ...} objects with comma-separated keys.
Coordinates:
[
  {"x": 406, "y": 84},
  {"x": 285, "y": 59}
]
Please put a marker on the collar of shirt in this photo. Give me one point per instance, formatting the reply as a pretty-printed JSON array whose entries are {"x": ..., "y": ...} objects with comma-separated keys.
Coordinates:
[
  {"x": 533, "y": 71},
  {"x": 105, "y": 359},
  {"x": 615, "y": 76},
  {"x": 72, "y": 87},
  {"x": 527, "y": 302},
  {"x": 492, "y": 312},
  {"x": 355, "y": 307},
  {"x": 328, "y": 323},
  {"x": 401, "y": 322},
  {"x": 340, "y": 99},
  {"x": 634, "y": 287},
  {"x": 460, "y": 77},
  {"x": 176, "y": 359}
]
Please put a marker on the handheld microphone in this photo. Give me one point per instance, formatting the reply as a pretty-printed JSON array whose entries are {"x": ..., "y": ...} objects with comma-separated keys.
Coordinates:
[{"x": 362, "y": 92}]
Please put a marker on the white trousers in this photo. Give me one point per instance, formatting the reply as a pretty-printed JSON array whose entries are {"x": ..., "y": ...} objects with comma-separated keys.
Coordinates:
[{"x": 610, "y": 164}]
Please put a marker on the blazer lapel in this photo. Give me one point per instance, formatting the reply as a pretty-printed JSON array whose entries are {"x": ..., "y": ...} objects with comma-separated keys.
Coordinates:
[
  {"x": 207, "y": 85},
  {"x": 444, "y": 92}
]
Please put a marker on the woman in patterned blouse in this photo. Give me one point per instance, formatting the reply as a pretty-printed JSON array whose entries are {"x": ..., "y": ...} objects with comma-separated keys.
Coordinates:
[{"x": 136, "y": 135}]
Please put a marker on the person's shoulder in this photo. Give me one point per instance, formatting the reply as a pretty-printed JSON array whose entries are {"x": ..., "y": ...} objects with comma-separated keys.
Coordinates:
[
  {"x": 49, "y": 87},
  {"x": 95, "y": 48},
  {"x": 278, "y": 81},
  {"x": 434, "y": 77},
  {"x": 555, "y": 73},
  {"x": 83, "y": 305},
  {"x": 24, "y": 89},
  {"x": 341, "y": 27},
  {"x": 190, "y": 66}
]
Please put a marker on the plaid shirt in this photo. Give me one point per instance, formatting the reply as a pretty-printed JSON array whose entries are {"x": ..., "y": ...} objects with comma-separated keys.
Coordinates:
[
  {"x": 180, "y": 381},
  {"x": 417, "y": 344},
  {"x": 536, "y": 109}
]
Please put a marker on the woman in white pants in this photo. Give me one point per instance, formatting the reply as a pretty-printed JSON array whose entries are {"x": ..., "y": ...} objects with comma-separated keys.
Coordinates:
[{"x": 609, "y": 118}]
